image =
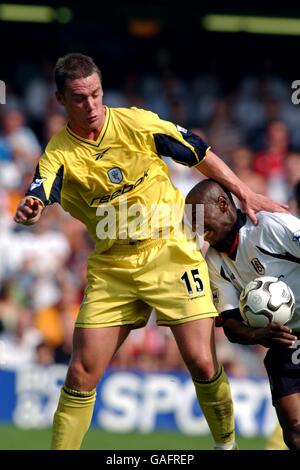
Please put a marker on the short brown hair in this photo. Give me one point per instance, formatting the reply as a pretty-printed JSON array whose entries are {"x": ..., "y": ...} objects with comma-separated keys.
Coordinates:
[{"x": 73, "y": 66}]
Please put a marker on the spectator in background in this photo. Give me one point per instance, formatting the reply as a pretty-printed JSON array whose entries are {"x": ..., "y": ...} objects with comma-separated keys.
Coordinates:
[
  {"x": 44, "y": 354},
  {"x": 292, "y": 173},
  {"x": 20, "y": 339},
  {"x": 241, "y": 162},
  {"x": 54, "y": 123},
  {"x": 53, "y": 321},
  {"x": 224, "y": 133},
  {"x": 270, "y": 161},
  {"x": 21, "y": 139},
  {"x": 297, "y": 198}
]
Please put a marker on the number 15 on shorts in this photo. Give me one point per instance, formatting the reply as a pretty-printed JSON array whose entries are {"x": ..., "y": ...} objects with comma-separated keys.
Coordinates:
[{"x": 192, "y": 281}]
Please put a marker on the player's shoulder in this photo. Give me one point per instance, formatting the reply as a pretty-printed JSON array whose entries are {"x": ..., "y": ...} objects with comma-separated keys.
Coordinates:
[
  {"x": 270, "y": 220},
  {"x": 58, "y": 142},
  {"x": 134, "y": 113},
  {"x": 213, "y": 258},
  {"x": 140, "y": 118},
  {"x": 55, "y": 151}
]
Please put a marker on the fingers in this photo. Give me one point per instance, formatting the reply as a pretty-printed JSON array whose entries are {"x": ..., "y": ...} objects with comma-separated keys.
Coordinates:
[
  {"x": 28, "y": 209},
  {"x": 284, "y": 208},
  {"x": 257, "y": 202},
  {"x": 286, "y": 336},
  {"x": 252, "y": 216},
  {"x": 283, "y": 342},
  {"x": 278, "y": 326},
  {"x": 281, "y": 335}
]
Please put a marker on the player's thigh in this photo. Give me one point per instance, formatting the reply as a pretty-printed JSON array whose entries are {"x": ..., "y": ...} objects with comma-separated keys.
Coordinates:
[
  {"x": 176, "y": 284},
  {"x": 196, "y": 342},
  {"x": 111, "y": 297},
  {"x": 284, "y": 377},
  {"x": 288, "y": 411},
  {"x": 93, "y": 348}
]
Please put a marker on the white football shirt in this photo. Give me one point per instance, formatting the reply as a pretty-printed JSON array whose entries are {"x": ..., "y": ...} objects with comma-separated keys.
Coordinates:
[{"x": 271, "y": 248}]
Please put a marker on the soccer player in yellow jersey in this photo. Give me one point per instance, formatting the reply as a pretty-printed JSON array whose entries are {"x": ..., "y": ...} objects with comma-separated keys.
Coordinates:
[{"x": 102, "y": 159}]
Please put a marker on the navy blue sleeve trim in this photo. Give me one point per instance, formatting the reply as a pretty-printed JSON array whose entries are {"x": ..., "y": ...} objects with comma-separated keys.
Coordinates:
[
  {"x": 57, "y": 185},
  {"x": 37, "y": 189},
  {"x": 168, "y": 146}
]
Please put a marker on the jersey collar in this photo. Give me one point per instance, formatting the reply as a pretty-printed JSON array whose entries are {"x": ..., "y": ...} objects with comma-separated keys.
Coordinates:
[{"x": 92, "y": 143}]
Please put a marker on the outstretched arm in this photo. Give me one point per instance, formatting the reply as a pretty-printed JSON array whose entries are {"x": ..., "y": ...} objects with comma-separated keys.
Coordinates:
[
  {"x": 28, "y": 211},
  {"x": 213, "y": 167}
]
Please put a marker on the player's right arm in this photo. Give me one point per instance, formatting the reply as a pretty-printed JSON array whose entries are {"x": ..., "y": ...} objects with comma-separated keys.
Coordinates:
[
  {"x": 45, "y": 189},
  {"x": 28, "y": 211}
]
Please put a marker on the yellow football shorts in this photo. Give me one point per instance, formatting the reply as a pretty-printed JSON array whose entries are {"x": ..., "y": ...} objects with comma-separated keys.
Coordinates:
[{"x": 126, "y": 282}]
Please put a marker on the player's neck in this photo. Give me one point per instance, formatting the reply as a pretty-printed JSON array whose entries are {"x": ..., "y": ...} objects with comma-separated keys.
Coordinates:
[{"x": 224, "y": 246}]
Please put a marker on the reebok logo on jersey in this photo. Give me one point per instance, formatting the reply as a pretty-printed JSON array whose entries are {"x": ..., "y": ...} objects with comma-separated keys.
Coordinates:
[
  {"x": 258, "y": 266},
  {"x": 126, "y": 188},
  {"x": 100, "y": 155},
  {"x": 36, "y": 183}
]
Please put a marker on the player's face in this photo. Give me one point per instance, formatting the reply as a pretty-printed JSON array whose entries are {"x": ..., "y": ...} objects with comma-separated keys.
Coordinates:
[
  {"x": 82, "y": 99},
  {"x": 217, "y": 223}
]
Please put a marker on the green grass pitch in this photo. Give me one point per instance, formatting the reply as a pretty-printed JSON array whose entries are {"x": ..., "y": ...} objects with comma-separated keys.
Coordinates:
[{"x": 12, "y": 438}]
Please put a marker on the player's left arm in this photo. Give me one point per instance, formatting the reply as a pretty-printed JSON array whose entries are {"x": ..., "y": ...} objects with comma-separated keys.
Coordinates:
[
  {"x": 213, "y": 167},
  {"x": 188, "y": 149}
]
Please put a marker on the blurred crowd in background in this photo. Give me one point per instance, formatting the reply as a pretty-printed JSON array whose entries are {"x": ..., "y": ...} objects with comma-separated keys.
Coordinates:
[{"x": 253, "y": 127}]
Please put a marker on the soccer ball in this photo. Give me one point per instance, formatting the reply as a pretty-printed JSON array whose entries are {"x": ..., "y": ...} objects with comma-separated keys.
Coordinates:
[{"x": 266, "y": 299}]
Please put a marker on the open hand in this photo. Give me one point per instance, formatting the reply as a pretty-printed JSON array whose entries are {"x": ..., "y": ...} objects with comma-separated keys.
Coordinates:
[
  {"x": 254, "y": 202},
  {"x": 274, "y": 334}
]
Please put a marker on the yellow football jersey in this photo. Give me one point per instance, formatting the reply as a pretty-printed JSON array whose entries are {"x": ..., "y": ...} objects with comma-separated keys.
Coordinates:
[{"x": 105, "y": 183}]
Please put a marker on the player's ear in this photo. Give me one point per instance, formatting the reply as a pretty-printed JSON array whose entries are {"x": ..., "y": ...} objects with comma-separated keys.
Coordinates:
[
  {"x": 223, "y": 204},
  {"x": 60, "y": 98}
]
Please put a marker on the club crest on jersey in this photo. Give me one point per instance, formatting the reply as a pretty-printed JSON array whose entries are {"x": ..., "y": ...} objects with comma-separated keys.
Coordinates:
[
  {"x": 36, "y": 183},
  {"x": 296, "y": 236},
  {"x": 115, "y": 175},
  {"x": 258, "y": 266}
]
